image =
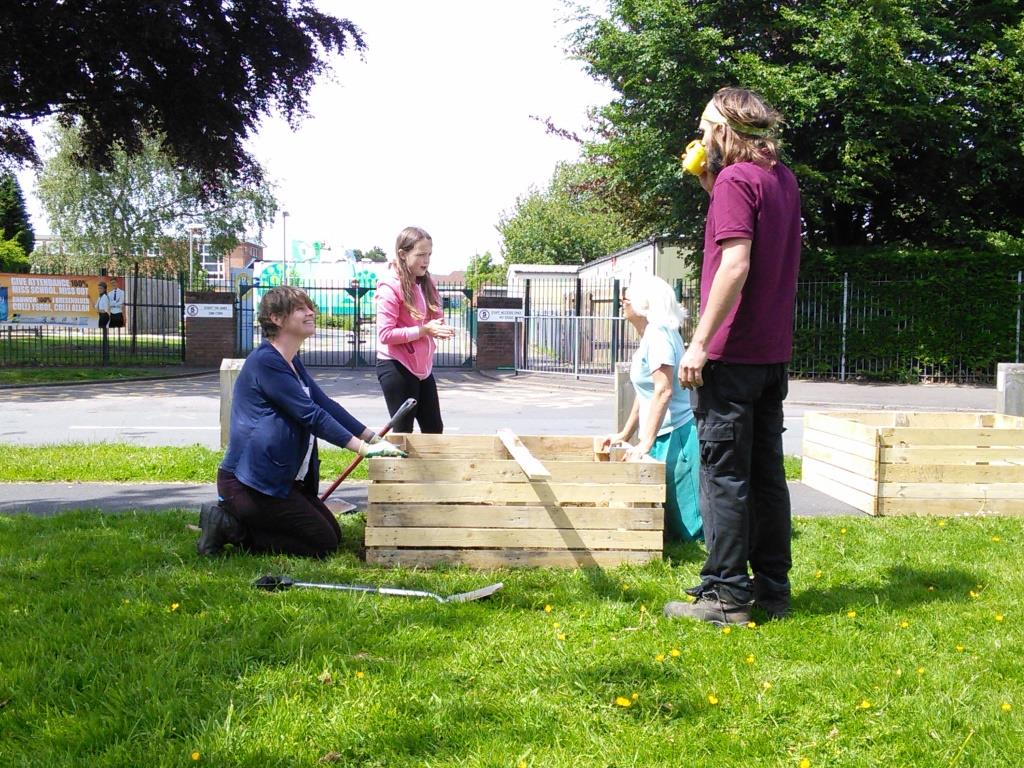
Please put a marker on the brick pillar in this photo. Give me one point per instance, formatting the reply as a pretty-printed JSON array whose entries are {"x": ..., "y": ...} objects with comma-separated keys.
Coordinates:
[
  {"x": 209, "y": 332},
  {"x": 496, "y": 342}
]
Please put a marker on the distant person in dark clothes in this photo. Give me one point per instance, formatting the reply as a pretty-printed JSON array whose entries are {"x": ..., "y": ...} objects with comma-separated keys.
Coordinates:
[
  {"x": 269, "y": 478},
  {"x": 737, "y": 362},
  {"x": 103, "y": 305}
]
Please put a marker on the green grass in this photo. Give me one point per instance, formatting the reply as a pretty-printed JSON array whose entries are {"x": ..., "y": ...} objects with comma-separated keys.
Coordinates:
[
  {"x": 124, "y": 463},
  {"x": 60, "y": 375},
  {"x": 121, "y": 648}
]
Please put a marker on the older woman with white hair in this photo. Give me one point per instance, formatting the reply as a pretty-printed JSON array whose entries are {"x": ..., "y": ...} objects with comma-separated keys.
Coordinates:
[{"x": 661, "y": 415}]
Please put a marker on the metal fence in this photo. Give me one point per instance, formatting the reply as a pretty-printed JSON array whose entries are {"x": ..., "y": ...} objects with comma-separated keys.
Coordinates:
[
  {"x": 153, "y": 333},
  {"x": 879, "y": 330}
]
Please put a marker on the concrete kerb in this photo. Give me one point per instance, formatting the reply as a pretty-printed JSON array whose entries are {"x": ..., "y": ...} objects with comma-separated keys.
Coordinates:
[{"x": 127, "y": 380}]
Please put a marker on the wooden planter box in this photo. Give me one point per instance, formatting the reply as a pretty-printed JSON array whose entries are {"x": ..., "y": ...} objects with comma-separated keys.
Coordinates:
[
  {"x": 894, "y": 463},
  {"x": 464, "y": 499}
]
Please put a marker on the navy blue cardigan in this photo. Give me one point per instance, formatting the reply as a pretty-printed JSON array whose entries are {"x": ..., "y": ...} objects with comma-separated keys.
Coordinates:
[{"x": 272, "y": 419}]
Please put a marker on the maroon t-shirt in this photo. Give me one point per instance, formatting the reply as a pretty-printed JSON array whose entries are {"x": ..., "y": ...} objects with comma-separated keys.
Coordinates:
[{"x": 763, "y": 205}]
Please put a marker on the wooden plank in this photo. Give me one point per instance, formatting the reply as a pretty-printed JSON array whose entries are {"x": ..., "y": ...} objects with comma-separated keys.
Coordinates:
[
  {"x": 951, "y": 455},
  {"x": 507, "y": 558},
  {"x": 1006, "y": 421},
  {"x": 1008, "y": 507},
  {"x": 860, "y": 448},
  {"x": 544, "y": 447},
  {"x": 855, "y": 480},
  {"x": 951, "y": 473},
  {"x": 515, "y": 493},
  {"x": 484, "y": 516},
  {"x": 912, "y": 437},
  {"x": 865, "y": 467},
  {"x": 841, "y": 424},
  {"x": 951, "y": 491},
  {"x": 865, "y": 502},
  {"x": 525, "y": 538},
  {"x": 532, "y": 467},
  {"x": 508, "y": 471}
]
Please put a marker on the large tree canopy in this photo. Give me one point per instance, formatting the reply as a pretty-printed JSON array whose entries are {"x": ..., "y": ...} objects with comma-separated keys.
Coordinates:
[
  {"x": 14, "y": 221},
  {"x": 199, "y": 73},
  {"x": 903, "y": 116},
  {"x": 569, "y": 223}
]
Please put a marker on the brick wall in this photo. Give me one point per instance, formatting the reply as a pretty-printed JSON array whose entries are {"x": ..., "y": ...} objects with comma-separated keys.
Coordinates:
[
  {"x": 496, "y": 342},
  {"x": 208, "y": 340}
]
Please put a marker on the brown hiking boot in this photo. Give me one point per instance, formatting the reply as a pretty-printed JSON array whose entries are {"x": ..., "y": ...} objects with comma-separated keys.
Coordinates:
[
  {"x": 218, "y": 528},
  {"x": 710, "y": 607}
]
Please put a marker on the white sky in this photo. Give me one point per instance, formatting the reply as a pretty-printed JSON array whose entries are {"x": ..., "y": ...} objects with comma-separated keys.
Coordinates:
[{"x": 432, "y": 128}]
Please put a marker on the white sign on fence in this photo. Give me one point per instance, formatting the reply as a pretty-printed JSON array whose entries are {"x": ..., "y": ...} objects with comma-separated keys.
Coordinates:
[
  {"x": 498, "y": 315},
  {"x": 209, "y": 310}
]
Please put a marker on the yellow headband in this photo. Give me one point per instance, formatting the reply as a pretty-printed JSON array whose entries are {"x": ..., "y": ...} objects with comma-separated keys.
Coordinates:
[{"x": 712, "y": 115}]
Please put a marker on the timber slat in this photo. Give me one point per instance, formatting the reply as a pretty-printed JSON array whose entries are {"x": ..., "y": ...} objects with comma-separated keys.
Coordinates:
[
  {"x": 506, "y": 558},
  {"x": 531, "y": 493},
  {"x": 487, "y": 538},
  {"x": 508, "y": 471},
  {"x": 485, "y": 516}
]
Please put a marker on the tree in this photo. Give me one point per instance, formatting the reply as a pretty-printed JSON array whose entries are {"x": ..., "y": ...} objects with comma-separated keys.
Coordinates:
[
  {"x": 902, "y": 118},
  {"x": 201, "y": 74},
  {"x": 141, "y": 203},
  {"x": 13, "y": 214},
  {"x": 567, "y": 224},
  {"x": 12, "y": 255},
  {"x": 375, "y": 254},
  {"x": 482, "y": 270}
]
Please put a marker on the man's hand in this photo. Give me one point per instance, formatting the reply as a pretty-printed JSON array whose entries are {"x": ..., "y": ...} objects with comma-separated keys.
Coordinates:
[{"x": 691, "y": 366}]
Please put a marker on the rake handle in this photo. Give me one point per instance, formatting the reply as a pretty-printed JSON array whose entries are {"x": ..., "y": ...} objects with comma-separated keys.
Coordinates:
[{"x": 407, "y": 406}]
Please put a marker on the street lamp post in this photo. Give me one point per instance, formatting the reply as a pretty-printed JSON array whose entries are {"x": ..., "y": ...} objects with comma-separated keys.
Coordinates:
[{"x": 284, "y": 238}]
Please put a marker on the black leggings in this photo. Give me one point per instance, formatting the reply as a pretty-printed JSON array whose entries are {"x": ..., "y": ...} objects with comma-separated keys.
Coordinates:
[
  {"x": 399, "y": 384},
  {"x": 298, "y": 525}
]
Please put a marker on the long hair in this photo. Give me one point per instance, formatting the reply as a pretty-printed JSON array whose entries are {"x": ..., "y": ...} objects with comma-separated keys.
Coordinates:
[
  {"x": 653, "y": 298},
  {"x": 406, "y": 241},
  {"x": 744, "y": 108}
]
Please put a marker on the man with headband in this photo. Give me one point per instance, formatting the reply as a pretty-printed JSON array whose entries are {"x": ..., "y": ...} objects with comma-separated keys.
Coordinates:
[{"x": 737, "y": 362}]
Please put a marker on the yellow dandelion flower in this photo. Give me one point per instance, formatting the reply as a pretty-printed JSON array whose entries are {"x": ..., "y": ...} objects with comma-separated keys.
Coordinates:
[
  {"x": 1006, "y": 706},
  {"x": 674, "y": 652},
  {"x": 522, "y": 764},
  {"x": 712, "y": 699},
  {"x": 999, "y": 617},
  {"x": 751, "y": 625},
  {"x": 622, "y": 701},
  {"x": 175, "y": 606},
  {"x": 942, "y": 523},
  {"x": 817, "y": 574},
  {"x": 920, "y": 670},
  {"x": 195, "y": 757},
  {"x": 960, "y": 649},
  {"x": 995, "y": 538},
  {"x": 864, "y": 704},
  {"x": 561, "y": 636},
  {"x": 660, "y": 657},
  {"x": 904, "y": 624},
  {"x": 726, "y": 630},
  {"x": 360, "y": 675},
  {"x": 556, "y": 625},
  {"x": 547, "y": 609},
  {"x": 643, "y": 608},
  {"x": 931, "y": 588},
  {"x": 766, "y": 685},
  {"x": 750, "y": 659},
  {"x": 635, "y": 696},
  {"x": 899, "y": 672},
  {"x": 973, "y": 594},
  {"x": 805, "y": 763},
  {"x": 851, "y": 614},
  {"x": 842, "y": 531}
]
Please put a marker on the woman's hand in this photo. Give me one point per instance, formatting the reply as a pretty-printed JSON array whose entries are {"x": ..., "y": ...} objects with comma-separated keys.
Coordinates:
[
  {"x": 636, "y": 453},
  {"x": 609, "y": 440},
  {"x": 437, "y": 329}
]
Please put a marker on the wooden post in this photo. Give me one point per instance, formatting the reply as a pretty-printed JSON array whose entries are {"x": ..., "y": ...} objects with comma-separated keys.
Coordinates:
[
  {"x": 229, "y": 370},
  {"x": 624, "y": 395}
]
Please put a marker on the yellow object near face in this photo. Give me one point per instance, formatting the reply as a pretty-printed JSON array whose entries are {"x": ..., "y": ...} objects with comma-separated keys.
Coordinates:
[{"x": 695, "y": 158}]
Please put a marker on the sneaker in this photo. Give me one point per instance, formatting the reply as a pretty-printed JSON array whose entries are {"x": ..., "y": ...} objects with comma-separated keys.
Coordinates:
[
  {"x": 710, "y": 607},
  {"x": 218, "y": 528}
]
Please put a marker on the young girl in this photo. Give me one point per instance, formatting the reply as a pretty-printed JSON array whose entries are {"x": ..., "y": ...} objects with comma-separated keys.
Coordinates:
[{"x": 409, "y": 318}]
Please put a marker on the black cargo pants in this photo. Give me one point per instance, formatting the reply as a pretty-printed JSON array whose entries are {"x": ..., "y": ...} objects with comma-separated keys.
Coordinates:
[{"x": 744, "y": 499}]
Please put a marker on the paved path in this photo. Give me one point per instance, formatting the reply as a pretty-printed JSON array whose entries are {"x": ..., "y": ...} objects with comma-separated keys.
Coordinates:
[{"x": 53, "y": 498}]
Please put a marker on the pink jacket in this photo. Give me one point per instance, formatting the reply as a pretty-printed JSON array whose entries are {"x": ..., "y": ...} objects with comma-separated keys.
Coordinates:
[{"x": 398, "y": 332}]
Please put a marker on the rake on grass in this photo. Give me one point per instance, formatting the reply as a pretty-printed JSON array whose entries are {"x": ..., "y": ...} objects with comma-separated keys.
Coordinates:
[{"x": 279, "y": 583}]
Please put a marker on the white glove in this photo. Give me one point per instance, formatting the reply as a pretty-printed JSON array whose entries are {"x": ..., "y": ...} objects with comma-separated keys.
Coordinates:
[
  {"x": 381, "y": 448},
  {"x": 374, "y": 438}
]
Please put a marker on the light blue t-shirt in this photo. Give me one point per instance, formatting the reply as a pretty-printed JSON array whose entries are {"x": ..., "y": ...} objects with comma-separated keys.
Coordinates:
[{"x": 660, "y": 346}]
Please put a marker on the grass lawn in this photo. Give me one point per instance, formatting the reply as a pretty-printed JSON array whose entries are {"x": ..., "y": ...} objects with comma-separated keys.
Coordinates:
[
  {"x": 57, "y": 375},
  {"x": 123, "y": 463},
  {"x": 122, "y": 648}
]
